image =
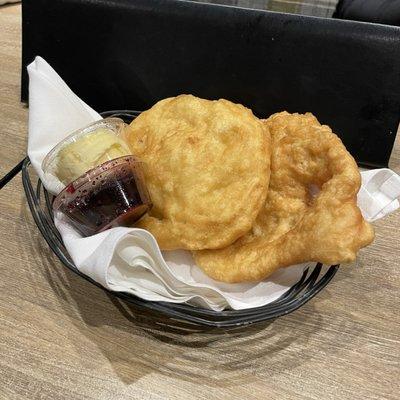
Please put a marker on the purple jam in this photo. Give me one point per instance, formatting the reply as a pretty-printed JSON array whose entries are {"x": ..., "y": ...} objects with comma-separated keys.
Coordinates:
[{"x": 112, "y": 194}]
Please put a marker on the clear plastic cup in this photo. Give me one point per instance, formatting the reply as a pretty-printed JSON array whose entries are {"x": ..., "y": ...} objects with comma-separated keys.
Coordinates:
[
  {"x": 109, "y": 195},
  {"x": 85, "y": 149}
]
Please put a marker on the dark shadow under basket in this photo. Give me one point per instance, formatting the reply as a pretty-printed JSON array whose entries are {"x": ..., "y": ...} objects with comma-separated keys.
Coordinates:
[{"x": 313, "y": 280}]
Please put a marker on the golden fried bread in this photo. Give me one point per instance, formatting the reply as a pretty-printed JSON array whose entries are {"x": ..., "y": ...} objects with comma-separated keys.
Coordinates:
[
  {"x": 310, "y": 213},
  {"x": 207, "y": 167}
]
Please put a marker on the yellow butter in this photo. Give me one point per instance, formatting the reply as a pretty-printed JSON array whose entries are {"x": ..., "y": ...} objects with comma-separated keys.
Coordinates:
[{"x": 87, "y": 152}]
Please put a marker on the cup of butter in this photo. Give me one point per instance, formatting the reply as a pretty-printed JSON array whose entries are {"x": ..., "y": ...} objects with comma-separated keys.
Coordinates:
[{"x": 104, "y": 184}]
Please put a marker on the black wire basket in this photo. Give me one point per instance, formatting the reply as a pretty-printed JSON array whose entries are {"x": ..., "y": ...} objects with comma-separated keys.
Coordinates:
[{"x": 313, "y": 280}]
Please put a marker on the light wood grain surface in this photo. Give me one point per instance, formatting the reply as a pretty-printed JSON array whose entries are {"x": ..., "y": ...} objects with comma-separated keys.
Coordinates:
[{"x": 62, "y": 338}]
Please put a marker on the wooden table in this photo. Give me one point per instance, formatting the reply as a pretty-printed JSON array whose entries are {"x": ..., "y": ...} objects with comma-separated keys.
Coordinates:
[{"x": 63, "y": 338}]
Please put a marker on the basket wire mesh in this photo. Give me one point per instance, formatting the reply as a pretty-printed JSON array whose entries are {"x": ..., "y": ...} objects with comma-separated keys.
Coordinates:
[{"x": 313, "y": 280}]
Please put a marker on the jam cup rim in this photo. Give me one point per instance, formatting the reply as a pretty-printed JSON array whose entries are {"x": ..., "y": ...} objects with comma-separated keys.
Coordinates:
[{"x": 91, "y": 174}]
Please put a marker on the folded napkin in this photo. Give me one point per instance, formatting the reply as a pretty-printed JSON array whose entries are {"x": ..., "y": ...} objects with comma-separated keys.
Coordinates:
[{"x": 129, "y": 259}]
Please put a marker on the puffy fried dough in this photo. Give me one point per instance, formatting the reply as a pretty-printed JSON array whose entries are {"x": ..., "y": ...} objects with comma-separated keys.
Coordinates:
[
  {"x": 207, "y": 170},
  {"x": 310, "y": 213}
]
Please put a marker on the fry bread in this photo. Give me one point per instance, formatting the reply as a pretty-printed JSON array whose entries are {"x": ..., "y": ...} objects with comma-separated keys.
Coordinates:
[
  {"x": 310, "y": 213},
  {"x": 207, "y": 167}
]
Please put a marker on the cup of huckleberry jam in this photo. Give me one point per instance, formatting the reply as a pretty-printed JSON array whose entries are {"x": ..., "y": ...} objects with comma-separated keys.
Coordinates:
[{"x": 111, "y": 194}]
